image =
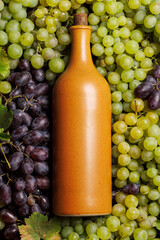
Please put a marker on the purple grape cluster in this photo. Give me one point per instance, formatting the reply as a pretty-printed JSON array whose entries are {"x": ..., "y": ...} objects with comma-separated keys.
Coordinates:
[
  {"x": 24, "y": 182},
  {"x": 150, "y": 89}
]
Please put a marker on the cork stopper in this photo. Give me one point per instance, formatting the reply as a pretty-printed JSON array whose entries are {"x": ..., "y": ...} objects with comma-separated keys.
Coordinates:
[{"x": 80, "y": 19}]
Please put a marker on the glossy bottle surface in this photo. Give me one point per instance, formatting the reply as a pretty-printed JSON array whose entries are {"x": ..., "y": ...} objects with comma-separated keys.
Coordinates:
[{"x": 81, "y": 134}]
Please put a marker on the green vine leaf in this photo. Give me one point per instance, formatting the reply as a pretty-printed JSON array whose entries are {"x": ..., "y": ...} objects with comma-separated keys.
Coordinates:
[
  {"x": 38, "y": 227},
  {"x": 5, "y": 136},
  {"x": 4, "y": 63},
  {"x": 6, "y": 117}
]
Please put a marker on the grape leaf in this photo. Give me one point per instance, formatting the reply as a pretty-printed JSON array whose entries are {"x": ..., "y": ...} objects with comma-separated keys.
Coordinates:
[
  {"x": 4, "y": 63},
  {"x": 38, "y": 227},
  {"x": 5, "y": 136},
  {"x": 6, "y": 117}
]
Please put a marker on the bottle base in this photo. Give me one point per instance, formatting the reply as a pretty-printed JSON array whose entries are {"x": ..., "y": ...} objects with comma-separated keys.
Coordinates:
[{"x": 82, "y": 215}]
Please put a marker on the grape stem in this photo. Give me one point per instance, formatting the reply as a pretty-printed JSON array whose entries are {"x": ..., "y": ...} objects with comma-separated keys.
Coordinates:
[{"x": 5, "y": 156}]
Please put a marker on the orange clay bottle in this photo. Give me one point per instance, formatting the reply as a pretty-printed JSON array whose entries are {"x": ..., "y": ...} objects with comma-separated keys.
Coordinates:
[{"x": 81, "y": 133}]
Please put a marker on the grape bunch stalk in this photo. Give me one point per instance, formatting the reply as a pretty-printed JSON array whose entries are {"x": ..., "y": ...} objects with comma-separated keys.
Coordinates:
[{"x": 150, "y": 89}]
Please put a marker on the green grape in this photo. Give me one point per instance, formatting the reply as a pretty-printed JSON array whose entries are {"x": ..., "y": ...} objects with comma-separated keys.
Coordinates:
[
  {"x": 153, "y": 130},
  {"x": 157, "y": 150},
  {"x": 140, "y": 234},
  {"x": 111, "y": 7},
  {"x": 147, "y": 155},
  {"x": 143, "y": 122},
  {"x": 103, "y": 232},
  {"x": 139, "y": 56},
  {"x": 15, "y": 7},
  {"x": 150, "y": 21},
  {"x": 93, "y": 19},
  {"x": 120, "y": 127},
  {"x": 34, "y": 3},
  {"x": 109, "y": 60},
  {"x": 130, "y": 119},
  {"x": 5, "y": 87},
  {"x": 154, "y": 209},
  {"x": 126, "y": 62},
  {"x": 79, "y": 228},
  {"x": 95, "y": 38},
  {"x": 14, "y": 37},
  {"x": 124, "y": 159},
  {"x": 119, "y": 183},
  {"x": 20, "y": 15},
  {"x": 37, "y": 61},
  {"x": 137, "y": 105},
  {"x": 123, "y": 173},
  {"x": 6, "y": 14},
  {"x": 102, "y": 71},
  {"x": 132, "y": 213},
  {"x": 50, "y": 76},
  {"x": 131, "y": 46},
  {"x": 150, "y": 143},
  {"x": 122, "y": 20},
  {"x": 3, "y": 38},
  {"x": 28, "y": 53},
  {"x": 52, "y": 3},
  {"x": 27, "y": 25},
  {"x": 26, "y": 39},
  {"x": 66, "y": 231},
  {"x": 131, "y": 201},
  {"x": 125, "y": 230},
  {"x": 97, "y": 49},
  {"x": 134, "y": 176},
  {"x": 108, "y": 51},
  {"x": 136, "y": 132},
  {"x": 156, "y": 180},
  {"x": 26, "y": 3},
  {"x": 153, "y": 194},
  {"x": 117, "y": 108},
  {"x": 92, "y": 236},
  {"x": 12, "y": 25},
  {"x": 101, "y": 221},
  {"x": 153, "y": 117},
  {"x": 1, "y": 5},
  {"x": 134, "y": 84},
  {"x": 65, "y": 221},
  {"x": 152, "y": 233},
  {"x": 122, "y": 87},
  {"x": 128, "y": 96},
  {"x": 91, "y": 228},
  {"x": 118, "y": 138},
  {"x": 133, "y": 165},
  {"x": 76, "y": 220},
  {"x": 48, "y": 53},
  {"x": 56, "y": 65},
  {"x": 102, "y": 31},
  {"x": 73, "y": 236},
  {"x": 113, "y": 223},
  {"x": 140, "y": 74},
  {"x": 42, "y": 34},
  {"x": 64, "y": 5},
  {"x": 118, "y": 209},
  {"x": 15, "y": 51},
  {"x": 123, "y": 147},
  {"x": 108, "y": 41},
  {"x": 51, "y": 42},
  {"x": 99, "y": 8},
  {"x": 114, "y": 78},
  {"x": 116, "y": 96},
  {"x": 118, "y": 48},
  {"x": 13, "y": 63},
  {"x": 125, "y": 32},
  {"x": 64, "y": 16},
  {"x": 112, "y": 23}
]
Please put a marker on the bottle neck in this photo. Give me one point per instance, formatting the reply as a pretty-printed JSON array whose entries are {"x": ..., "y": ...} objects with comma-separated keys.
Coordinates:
[{"x": 80, "y": 51}]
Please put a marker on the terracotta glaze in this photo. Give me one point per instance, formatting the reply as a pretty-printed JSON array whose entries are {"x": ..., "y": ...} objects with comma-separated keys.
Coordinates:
[{"x": 81, "y": 134}]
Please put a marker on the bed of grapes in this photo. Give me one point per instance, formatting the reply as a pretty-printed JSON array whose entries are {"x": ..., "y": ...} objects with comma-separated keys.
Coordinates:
[{"x": 34, "y": 50}]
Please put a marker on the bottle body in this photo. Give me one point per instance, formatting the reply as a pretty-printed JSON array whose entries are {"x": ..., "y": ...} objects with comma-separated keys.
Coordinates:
[{"x": 81, "y": 140}]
